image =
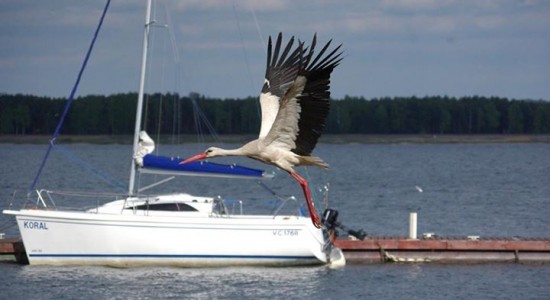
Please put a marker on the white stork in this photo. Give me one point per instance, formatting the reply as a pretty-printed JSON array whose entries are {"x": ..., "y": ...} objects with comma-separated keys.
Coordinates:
[{"x": 295, "y": 104}]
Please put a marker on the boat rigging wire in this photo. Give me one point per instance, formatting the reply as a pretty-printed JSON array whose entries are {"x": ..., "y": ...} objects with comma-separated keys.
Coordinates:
[
  {"x": 70, "y": 100},
  {"x": 258, "y": 28},
  {"x": 245, "y": 55},
  {"x": 252, "y": 81},
  {"x": 90, "y": 168}
]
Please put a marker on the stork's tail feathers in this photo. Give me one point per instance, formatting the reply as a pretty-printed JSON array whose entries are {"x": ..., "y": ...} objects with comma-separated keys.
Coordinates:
[{"x": 313, "y": 161}]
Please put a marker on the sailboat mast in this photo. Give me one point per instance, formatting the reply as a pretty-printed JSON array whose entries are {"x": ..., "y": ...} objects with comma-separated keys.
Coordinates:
[{"x": 141, "y": 92}]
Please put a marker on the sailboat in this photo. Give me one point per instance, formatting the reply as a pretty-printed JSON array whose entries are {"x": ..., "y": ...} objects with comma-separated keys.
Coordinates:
[{"x": 177, "y": 229}]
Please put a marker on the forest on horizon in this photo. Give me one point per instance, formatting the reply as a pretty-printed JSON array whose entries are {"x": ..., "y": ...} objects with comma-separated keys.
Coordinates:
[{"x": 115, "y": 115}]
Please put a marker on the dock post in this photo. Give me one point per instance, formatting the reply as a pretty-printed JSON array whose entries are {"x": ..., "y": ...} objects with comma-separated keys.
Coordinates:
[{"x": 412, "y": 226}]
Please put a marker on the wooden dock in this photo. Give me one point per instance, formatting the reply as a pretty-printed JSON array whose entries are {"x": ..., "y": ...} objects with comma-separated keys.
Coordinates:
[
  {"x": 445, "y": 250},
  {"x": 12, "y": 249},
  {"x": 399, "y": 249}
]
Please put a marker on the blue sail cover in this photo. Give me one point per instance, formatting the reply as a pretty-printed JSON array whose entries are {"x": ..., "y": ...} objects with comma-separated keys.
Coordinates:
[{"x": 170, "y": 165}]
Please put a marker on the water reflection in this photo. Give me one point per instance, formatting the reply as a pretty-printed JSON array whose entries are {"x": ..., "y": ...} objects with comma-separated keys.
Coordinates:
[{"x": 167, "y": 283}]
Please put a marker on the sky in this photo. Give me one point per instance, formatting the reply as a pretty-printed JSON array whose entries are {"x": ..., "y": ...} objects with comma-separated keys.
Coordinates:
[{"x": 392, "y": 48}]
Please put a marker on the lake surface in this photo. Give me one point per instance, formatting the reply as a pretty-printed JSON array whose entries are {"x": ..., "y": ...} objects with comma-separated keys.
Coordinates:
[{"x": 467, "y": 189}]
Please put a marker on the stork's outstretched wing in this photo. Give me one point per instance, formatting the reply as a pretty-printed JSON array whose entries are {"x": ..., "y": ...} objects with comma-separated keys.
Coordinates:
[
  {"x": 300, "y": 97},
  {"x": 280, "y": 73}
]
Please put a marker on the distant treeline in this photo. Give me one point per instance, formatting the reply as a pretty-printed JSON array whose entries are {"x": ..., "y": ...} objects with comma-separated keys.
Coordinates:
[{"x": 115, "y": 114}]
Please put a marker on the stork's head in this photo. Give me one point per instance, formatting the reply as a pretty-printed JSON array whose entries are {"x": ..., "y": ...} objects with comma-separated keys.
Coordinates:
[{"x": 210, "y": 152}]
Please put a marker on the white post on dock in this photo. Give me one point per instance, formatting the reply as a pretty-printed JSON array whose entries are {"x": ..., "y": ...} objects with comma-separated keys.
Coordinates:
[{"x": 412, "y": 226}]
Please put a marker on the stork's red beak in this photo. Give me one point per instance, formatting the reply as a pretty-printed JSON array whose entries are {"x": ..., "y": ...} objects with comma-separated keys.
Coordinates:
[{"x": 193, "y": 158}]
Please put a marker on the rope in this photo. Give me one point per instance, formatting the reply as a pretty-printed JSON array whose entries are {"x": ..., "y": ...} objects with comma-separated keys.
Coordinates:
[
  {"x": 196, "y": 120},
  {"x": 252, "y": 81},
  {"x": 8, "y": 223},
  {"x": 162, "y": 82},
  {"x": 70, "y": 100},
  {"x": 258, "y": 28},
  {"x": 314, "y": 190},
  {"x": 393, "y": 258},
  {"x": 200, "y": 116},
  {"x": 176, "y": 128},
  {"x": 93, "y": 170},
  {"x": 88, "y": 194}
]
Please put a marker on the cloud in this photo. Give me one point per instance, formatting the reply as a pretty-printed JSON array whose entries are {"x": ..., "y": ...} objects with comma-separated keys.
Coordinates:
[
  {"x": 256, "y": 5},
  {"x": 383, "y": 39},
  {"x": 415, "y": 5}
]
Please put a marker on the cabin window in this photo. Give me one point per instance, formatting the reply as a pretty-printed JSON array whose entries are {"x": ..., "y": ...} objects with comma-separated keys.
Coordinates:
[
  {"x": 165, "y": 207},
  {"x": 185, "y": 207}
]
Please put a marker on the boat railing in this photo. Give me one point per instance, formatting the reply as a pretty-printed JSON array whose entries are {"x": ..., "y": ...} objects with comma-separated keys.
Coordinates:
[
  {"x": 283, "y": 202},
  {"x": 218, "y": 206},
  {"x": 40, "y": 198},
  {"x": 234, "y": 203},
  {"x": 226, "y": 207},
  {"x": 45, "y": 200},
  {"x": 280, "y": 200}
]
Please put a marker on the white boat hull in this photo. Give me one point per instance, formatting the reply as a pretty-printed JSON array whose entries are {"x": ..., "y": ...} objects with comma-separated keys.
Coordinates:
[{"x": 85, "y": 238}]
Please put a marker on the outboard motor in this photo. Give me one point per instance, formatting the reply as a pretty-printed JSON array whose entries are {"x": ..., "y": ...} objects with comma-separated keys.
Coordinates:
[{"x": 330, "y": 220}]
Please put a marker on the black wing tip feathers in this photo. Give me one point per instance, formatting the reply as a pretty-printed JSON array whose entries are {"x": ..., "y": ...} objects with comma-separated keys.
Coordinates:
[{"x": 284, "y": 65}]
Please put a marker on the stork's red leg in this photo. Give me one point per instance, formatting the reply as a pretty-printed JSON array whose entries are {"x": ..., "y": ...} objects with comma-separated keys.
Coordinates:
[{"x": 309, "y": 200}]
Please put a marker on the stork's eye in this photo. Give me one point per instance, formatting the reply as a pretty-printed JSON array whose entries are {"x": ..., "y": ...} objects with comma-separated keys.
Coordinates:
[{"x": 208, "y": 151}]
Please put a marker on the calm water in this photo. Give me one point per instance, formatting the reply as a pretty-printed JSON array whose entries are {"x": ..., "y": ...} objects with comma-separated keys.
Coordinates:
[{"x": 482, "y": 189}]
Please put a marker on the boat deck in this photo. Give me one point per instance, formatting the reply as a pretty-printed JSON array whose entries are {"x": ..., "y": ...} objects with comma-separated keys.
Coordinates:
[{"x": 400, "y": 249}]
